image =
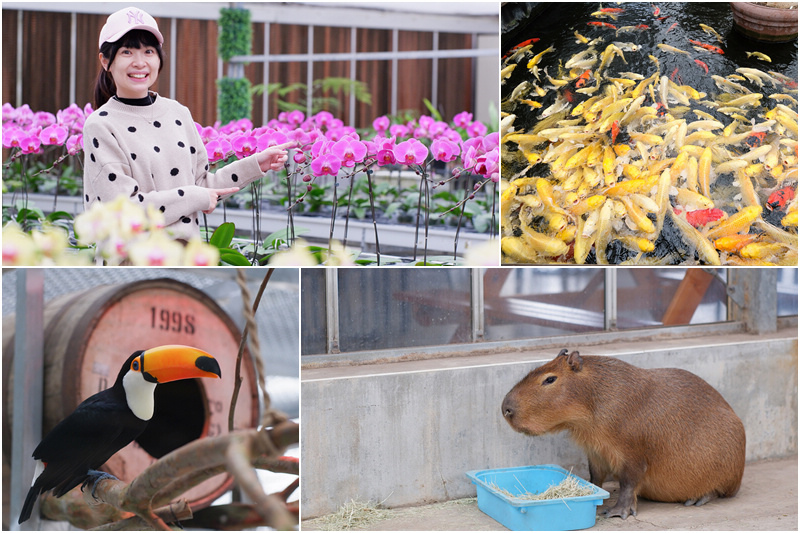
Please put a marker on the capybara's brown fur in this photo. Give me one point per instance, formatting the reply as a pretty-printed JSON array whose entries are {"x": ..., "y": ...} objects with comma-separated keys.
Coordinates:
[{"x": 665, "y": 434}]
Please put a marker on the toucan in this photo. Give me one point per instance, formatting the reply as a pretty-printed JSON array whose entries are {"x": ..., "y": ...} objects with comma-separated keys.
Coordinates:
[{"x": 108, "y": 421}]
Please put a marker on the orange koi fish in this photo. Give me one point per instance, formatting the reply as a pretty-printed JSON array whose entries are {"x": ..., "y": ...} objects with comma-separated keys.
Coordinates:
[
  {"x": 703, "y": 65},
  {"x": 673, "y": 25},
  {"x": 778, "y": 199},
  {"x": 656, "y": 11},
  {"x": 709, "y": 47},
  {"x": 602, "y": 24},
  {"x": 521, "y": 45},
  {"x": 612, "y": 10}
]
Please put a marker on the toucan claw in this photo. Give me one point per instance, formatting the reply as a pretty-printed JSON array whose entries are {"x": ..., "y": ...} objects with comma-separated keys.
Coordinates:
[{"x": 94, "y": 477}]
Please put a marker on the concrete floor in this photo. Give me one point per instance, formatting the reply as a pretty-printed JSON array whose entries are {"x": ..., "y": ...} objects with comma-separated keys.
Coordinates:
[{"x": 766, "y": 501}]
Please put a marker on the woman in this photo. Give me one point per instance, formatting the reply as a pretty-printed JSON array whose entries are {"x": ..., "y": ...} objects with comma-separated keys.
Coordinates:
[{"x": 147, "y": 147}]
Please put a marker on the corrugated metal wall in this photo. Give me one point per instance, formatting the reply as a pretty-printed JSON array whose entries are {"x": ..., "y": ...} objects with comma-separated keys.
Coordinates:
[{"x": 46, "y": 64}]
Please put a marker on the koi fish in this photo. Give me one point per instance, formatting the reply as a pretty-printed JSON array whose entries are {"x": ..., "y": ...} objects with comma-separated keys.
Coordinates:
[
  {"x": 521, "y": 45},
  {"x": 668, "y": 48},
  {"x": 702, "y": 65},
  {"x": 671, "y": 27},
  {"x": 602, "y": 14},
  {"x": 675, "y": 73},
  {"x": 612, "y": 10},
  {"x": 755, "y": 139},
  {"x": 711, "y": 31},
  {"x": 602, "y": 24},
  {"x": 665, "y": 17},
  {"x": 656, "y": 11},
  {"x": 709, "y": 47},
  {"x": 701, "y": 217},
  {"x": 759, "y": 55},
  {"x": 777, "y": 200}
]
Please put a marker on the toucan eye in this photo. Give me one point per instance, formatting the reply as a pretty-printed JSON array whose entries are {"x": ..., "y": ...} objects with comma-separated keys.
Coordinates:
[
  {"x": 549, "y": 380},
  {"x": 135, "y": 365}
]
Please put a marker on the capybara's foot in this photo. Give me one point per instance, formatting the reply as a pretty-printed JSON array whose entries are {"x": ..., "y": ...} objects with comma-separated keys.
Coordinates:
[
  {"x": 622, "y": 511},
  {"x": 698, "y": 502}
]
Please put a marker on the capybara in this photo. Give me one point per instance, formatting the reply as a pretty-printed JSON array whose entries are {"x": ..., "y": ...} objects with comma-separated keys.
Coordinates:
[{"x": 664, "y": 434}]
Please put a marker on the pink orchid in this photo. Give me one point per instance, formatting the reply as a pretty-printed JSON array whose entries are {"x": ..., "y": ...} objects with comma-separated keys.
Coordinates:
[
  {"x": 444, "y": 150},
  {"x": 30, "y": 143},
  {"x": 271, "y": 138},
  {"x": 75, "y": 144},
  {"x": 410, "y": 152},
  {"x": 463, "y": 119},
  {"x": 476, "y": 129},
  {"x": 385, "y": 157},
  {"x": 244, "y": 145},
  {"x": 326, "y": 164},
  {"x": 53, "y": 134},
  {"x": 218, "y": 149},
  {"x": 323, "y": 119},
  {"x": 12, "y": 136},
  {"x": 349, "y": 150},
  {"x": 381, "y": 124}
]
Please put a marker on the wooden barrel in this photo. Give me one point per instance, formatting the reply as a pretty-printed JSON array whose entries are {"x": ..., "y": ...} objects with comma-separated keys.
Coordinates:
[{"x": 87, "y": 337}]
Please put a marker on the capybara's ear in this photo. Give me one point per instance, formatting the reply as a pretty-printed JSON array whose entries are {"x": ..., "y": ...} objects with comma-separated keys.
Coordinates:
[
  {"x": 563, "y": 351},
  {"x": 575, "y": 361}
]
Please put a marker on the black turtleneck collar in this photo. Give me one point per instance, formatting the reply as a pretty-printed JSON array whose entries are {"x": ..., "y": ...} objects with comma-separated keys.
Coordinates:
[{"x": 147, "y": 100}]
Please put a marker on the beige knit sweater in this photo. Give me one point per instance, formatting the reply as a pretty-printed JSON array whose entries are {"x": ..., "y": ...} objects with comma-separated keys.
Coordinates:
[{"x": 154, "y": 154}]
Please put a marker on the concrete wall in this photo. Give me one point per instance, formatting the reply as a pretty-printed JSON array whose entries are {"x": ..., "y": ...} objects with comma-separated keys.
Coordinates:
[{"x": 407, "y": 437}]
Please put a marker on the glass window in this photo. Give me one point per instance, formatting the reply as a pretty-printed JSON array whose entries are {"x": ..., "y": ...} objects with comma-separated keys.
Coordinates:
[
  {"x": 787, "y": 292},
  {"x": 523, "y": 303},
  {"x": 312, "y": 300},
  {"x": 670, "y": 296}
]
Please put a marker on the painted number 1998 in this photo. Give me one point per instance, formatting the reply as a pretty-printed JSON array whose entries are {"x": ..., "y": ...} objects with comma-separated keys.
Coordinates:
[{"x": 167, "y": 320}]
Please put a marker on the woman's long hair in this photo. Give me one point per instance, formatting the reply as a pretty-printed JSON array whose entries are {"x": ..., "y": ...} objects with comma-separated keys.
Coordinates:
[{"x": 104, "y": 87}]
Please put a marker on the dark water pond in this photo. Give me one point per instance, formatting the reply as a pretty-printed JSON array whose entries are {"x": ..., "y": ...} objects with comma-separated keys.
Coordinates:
[
  {"x": 663, "y": 38},
  {"x": 555, "y": 25}
]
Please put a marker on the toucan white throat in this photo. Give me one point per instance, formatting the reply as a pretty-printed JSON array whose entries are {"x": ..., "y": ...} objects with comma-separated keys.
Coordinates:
[{"x": 139, "y": 394}]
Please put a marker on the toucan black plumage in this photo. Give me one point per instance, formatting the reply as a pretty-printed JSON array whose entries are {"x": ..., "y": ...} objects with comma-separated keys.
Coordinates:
[{"x": 109, "y": 420}]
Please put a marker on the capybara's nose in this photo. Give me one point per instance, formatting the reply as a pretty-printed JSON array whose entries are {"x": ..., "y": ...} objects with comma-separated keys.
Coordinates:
[{"x": 508, "y": 407}]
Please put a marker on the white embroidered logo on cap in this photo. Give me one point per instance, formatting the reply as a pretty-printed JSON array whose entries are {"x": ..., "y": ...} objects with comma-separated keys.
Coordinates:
[{"x": 135, "y": 17}]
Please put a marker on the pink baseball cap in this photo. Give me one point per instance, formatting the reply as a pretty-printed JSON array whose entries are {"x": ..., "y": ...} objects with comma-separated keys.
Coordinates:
[{"x": 125, "y": 20}]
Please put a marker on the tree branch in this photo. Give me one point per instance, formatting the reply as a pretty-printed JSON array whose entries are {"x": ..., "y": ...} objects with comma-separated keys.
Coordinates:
[{"x": 182, "y": 469}]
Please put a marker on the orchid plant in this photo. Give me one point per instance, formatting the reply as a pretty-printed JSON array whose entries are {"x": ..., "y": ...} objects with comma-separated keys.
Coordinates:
[{"x": 326, "y": 150}]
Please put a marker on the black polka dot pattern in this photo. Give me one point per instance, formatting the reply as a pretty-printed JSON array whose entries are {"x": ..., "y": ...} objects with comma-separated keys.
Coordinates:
[
  {"x": 141, "y": 198},
  {"x": 157, "y": 149},
  {"x": 162, "y": 208},
  {"x": 103, "y": 113},
  {"x": 192, "y": 150},
  {"x": 174, "y": 172},
  {"x": 180, "y": 143},
  {"x": 157, "y": 124},
  {"x": 132, "y": 129},
  {"x": 133, "y": 156},
  {"x": 179, "y": 123},
  {"x": 180, "y": 192},
  {"x": 112, "y": 177},
  {"x": 96, "y": 143},
  {"x": 235, "y": 178},
  {"x": 186, "y": 220}
]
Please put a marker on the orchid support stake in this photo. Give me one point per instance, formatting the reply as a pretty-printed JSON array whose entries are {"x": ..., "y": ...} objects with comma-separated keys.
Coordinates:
[
  {"x": 333, "y": 211},
  {"x": 290, "y": 212},
  {"x": 347, "y": 214},
  {"x": 374, "y": 220}
]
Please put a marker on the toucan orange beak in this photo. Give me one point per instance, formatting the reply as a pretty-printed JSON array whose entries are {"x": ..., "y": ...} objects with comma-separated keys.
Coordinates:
[{"x": 173, "y": 362}]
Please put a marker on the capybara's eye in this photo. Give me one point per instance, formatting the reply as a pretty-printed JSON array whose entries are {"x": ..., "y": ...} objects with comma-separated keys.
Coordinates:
[{"x": 549, "y": 380}]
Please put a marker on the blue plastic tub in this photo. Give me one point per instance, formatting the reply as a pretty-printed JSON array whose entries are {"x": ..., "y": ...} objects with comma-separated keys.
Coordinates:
[{"x": 519, "y": 514}]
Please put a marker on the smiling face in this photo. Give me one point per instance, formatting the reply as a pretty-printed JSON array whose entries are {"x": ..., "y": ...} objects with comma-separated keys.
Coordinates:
[{"x": 133, "y": 63}]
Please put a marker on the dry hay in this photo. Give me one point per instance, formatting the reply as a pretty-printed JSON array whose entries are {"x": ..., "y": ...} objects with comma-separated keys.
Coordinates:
[
  {"x": 352, "y": 515},
  {"x": 571, "y": 487}
]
